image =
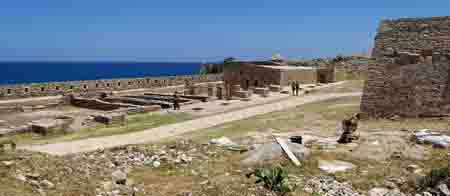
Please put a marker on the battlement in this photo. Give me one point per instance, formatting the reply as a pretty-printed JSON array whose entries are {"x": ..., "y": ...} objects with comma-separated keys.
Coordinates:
[
  {"x": 411, "y": 75},
  {"x": 58, "y": 88},
  {"x": 413, "y": 35}
]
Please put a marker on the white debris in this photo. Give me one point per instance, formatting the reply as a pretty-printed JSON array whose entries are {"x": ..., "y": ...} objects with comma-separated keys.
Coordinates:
[
  {"x": 335, "y": 166},
  {"x": 156, "y": 164},
  {"x": 378, "y": 191},
  {"x": 223, "y": 141},
  {"x": 434, "y": 138}
]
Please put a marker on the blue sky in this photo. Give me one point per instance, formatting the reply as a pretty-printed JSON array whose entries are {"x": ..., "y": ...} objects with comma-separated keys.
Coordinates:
[{"x": 195, "y": 30}]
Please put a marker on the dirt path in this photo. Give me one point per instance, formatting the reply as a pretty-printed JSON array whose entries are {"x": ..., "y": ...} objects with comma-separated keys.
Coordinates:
[{"x": 159, "y": 133}]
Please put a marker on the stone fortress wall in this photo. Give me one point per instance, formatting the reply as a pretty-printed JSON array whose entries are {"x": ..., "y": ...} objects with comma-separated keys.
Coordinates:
[
  {"x": 412, "y": 90},
  {"x": 412, "y": 74},
  {"x": 58, "y": 88},
  {"x": 414, "y": 35}
]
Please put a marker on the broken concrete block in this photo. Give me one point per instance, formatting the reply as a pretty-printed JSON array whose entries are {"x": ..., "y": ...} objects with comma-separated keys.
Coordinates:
[
  {"x": 26, "y": 109},
  {"x": 264, "y": 92},
  {"x": 242, "y": 94},
  {"x": 261, "y": 153},
  {"x": 110, "y": 118},
  {"x": 46, "y": 126},
  {"x": 275, "y": 88}
]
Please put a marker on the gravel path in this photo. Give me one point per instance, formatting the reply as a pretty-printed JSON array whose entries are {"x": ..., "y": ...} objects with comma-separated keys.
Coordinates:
[{"x": 155, "y": 134}]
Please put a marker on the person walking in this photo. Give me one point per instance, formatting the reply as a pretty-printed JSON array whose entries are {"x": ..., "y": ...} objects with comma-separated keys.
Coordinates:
[
  {"x": 176, "y": 104},
  {"x": 293, "y": 87},
  {"x": 297, "y": 88}
]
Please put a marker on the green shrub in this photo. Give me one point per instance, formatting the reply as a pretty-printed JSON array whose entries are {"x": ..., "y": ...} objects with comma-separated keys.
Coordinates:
[
  {"x": 203, "y": 71},
  {"x": 435, "y": 177},
  {"x": 316, "y": 194},
  {"x": 274, "y": 179}
]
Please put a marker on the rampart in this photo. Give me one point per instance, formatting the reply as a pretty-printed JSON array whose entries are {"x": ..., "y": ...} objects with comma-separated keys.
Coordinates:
[
  {"x": 412, "y": 90},
  {"x": 415, "y": 35},
  {"x": 411, "y": 76},
  {"x": 58, "y": 88}
]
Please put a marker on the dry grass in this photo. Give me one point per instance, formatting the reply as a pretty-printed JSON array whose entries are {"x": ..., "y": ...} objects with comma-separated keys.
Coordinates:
[
  {"x": 49, "y": 167},
  {"x": 221, "y": 174},
  {"x": 316, "y": 116},
  {"x": 224, "y": 175},
  {"x": 324, "y": 119}
]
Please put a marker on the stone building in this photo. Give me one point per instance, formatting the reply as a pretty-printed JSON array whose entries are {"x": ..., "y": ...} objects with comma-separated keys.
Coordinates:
[
  {"x": 260, "y": 74},
  {"x": 412, "y": 74}
]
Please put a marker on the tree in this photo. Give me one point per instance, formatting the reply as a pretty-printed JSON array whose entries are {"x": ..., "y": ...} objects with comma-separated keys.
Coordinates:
[
  {"x": 203, "y": 71},
  {"x": 230, "y": 63},
  {"x": 277, "y": 57},
  {"x": 229, "y": 60}
]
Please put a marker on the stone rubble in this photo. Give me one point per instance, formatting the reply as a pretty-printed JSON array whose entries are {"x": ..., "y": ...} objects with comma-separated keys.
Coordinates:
[
  {"x": 112, "y": 165},
  {"x": 443, "y": 189},
  {"x": 328, "y": 186},
  {"x": 426, "y": 136}
]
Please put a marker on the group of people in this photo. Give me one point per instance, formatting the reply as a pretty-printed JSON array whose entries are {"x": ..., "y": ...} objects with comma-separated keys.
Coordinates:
[{"x": 295, "y": 87}]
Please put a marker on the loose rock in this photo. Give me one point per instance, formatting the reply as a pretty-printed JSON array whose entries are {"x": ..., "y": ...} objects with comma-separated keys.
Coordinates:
[
  {"x": 47, "y": 184},
  {"x": 119, "y": 177},
  {"x": 328, "y": 186},
  {"x": 335, "y": 166},
  {"x": 444, "y": 189},
  {"x": 223, "y": 141},
  {"x": 378, "y": 191}
]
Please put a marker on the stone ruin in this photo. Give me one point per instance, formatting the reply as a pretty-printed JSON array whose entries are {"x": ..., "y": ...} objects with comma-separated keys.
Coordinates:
[
  {"x": 244, "y": 78},
  {"x": 412, "y": 75}
]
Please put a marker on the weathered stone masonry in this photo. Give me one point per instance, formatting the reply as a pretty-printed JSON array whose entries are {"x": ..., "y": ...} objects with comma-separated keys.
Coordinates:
[
  {"x": 412, "y": 90},
  {"x": 57, "y": 88},
  {"x": 415, "y": 35},
  {"x": 412, "y": 74}
]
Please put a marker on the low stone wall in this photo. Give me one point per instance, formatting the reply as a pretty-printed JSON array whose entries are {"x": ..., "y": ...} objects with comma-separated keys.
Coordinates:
[
  {"x": 58, "y": 88},
  {"x": 306, "y": 76},
  {"x": 97, "y": 104}
]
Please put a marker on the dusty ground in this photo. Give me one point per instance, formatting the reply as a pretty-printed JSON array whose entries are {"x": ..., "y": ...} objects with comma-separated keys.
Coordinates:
[
  {"x": 163, "y": 132},
  {"x": 382, "y": 155},
  {"x": 80, "y": 129}
]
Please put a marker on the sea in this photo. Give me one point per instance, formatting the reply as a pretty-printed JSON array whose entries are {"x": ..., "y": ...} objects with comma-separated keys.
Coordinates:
[{"x": 35, "y": 72}]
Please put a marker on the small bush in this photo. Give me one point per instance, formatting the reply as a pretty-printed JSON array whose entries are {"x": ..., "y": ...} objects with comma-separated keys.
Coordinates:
[
  {"x": 274, "y": 179},
  {"x": 435, "y": 177},
  {"x": 316, "y": 194}
]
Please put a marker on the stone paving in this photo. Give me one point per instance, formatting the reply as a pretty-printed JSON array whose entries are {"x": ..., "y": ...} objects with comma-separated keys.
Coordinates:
[{"x": 159, "y": 133}]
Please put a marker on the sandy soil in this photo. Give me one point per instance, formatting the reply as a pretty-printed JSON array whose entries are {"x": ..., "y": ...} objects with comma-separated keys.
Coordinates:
[{"x": 163, "y": 132}]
